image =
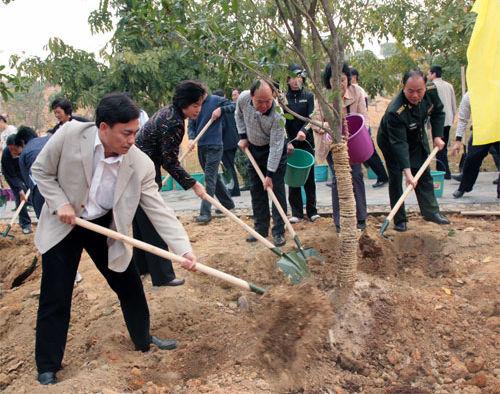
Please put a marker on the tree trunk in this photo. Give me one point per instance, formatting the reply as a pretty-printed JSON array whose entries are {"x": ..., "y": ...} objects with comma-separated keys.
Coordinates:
[{"x": 346, "y": 270}]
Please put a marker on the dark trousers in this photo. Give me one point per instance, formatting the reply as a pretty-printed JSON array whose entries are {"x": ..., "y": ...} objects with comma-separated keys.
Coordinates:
[
  {"x": 59, "y": 266},
  {"x": 295, "y": 197},
  {"x": 24, "y": 217},
  {"x": 472, "y": 164},
  {"x": 442, "y": 155},
  {"x": 210, "y": 157},
  {"x": 161, "y": 269},
  {"x": 424, "y": 190},
  {"x": 375, "y": 163},
  {"x": 260, "y": 200},
  {"x": 358, "y": 188},
  {"x": 228, "y": 157},
  {"x": 37, "y": 200}
]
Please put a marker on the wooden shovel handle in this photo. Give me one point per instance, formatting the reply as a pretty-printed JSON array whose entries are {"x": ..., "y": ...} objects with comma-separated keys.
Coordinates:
[
  {"x": 162, "y": 253},
  {"x": 195, "y": 141},
  {"x": 410, "y": 187},
  {"x": 236, "y": 219},
  {"x": 271, "y": 194},
  {"x": 21, "y": 205}
]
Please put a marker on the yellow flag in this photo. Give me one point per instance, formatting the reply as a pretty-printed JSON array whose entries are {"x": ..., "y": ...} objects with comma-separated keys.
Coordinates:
[{"x": 483, "y": 72}]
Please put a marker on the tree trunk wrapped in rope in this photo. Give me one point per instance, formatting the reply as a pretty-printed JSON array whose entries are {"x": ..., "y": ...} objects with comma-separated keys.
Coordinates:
[{"x": 347, "y": 265}]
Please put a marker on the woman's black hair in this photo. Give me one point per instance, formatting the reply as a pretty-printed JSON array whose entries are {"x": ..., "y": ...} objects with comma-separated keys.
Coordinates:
[
  {"x": 327, "y": 74},
  {"x": 116, "y": 108},
  {"x": 187, "y": 93}
]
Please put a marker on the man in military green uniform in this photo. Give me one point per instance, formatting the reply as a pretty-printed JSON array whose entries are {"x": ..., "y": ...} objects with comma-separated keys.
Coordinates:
[{"x": 403, "y": 142}]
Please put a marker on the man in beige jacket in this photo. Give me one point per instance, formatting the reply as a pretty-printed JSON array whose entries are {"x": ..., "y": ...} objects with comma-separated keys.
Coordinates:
[{"x": 98, "y": 174}]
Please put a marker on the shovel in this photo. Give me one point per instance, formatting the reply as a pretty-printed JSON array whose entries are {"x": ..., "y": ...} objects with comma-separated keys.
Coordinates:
[
  {"x": 407, "y": 191},
  {"x": 306, "y": 253},
  {"x": 169, "y": 255},
  {"x": 291, "y": 264},
  {"x": 5, "y": 232},
  {"x": 195, "y": 141}
]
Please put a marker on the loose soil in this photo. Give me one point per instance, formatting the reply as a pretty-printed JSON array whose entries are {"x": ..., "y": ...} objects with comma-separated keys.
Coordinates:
[{"x": 423, "y": 317}]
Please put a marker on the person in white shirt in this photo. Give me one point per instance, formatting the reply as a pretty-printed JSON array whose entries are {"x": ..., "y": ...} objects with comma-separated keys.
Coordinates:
[
  {"x": 5, "y": 130},
  {"x": 446, "y": 94}
]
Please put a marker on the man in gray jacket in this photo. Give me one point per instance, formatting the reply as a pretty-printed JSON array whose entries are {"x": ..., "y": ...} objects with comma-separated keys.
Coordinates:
[{"x": 262, "y": 131}]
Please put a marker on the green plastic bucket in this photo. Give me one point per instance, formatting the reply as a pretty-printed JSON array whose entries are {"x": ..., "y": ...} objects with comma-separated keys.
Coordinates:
[
  {"x": 298, "y": 165},
  {"x": 321, "y": 172},
  {"x": 438, "y": 181},
  {"x": 371, "y": 174},
  {"x": 169, "y": 185}
]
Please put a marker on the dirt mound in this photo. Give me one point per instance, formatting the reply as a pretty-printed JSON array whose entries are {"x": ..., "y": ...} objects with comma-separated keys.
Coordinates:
[
  {"x": 292, "y": 329},
  {"x": 423, "y": 317}
]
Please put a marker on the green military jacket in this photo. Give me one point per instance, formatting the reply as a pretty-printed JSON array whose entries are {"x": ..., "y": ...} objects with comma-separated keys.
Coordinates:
[{"x": 402, "y": 132}]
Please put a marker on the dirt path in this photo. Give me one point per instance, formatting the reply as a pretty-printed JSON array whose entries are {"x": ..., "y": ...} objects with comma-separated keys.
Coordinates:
[{"x": 424, "y": 317}]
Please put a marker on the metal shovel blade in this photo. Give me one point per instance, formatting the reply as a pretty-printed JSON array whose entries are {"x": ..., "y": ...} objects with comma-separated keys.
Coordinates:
[{"x": 294, "y": 266}]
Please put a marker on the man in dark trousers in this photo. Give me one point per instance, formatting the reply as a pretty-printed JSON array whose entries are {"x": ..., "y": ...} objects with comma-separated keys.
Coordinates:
[
  {"x": 230, "y": 140},
  {"x": 210, "y": 150},
  {"x": 301, "y": 101},
  {"x": 12, "y": 174},
  {"x": 95, "y": 172},
  {"x": 403, "y": 141},
  {"x": 261, "y": 131},
  {"x": 160, "y": 139}
]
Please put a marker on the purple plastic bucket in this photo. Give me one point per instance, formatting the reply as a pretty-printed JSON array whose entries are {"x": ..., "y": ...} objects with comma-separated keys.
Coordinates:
[{"x": 359, "y": 144}]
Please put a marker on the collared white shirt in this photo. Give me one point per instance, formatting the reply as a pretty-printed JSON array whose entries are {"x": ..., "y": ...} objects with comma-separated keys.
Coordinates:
[{"x": 102, "y": 187}]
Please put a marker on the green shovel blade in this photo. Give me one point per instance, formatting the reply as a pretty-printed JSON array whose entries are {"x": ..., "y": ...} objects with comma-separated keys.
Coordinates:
[{"x": 290, "y": 270}]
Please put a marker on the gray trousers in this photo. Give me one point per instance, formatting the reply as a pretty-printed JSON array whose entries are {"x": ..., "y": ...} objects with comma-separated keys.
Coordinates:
[{"x": 210, "y": 157}]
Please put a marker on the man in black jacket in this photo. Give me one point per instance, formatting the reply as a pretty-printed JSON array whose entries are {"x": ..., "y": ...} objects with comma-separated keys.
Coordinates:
[
  {"x": 301, "y": 101},
  {"x": 12, "y": 174}
]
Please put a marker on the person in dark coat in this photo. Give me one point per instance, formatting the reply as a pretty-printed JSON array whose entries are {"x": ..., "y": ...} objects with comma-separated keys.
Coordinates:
[
  {"x": 160, "y": 139},
  {"x": 403, "y": 141},
  {"x": 12, "y": 174},
  {"x": 230, "y": 140},
  {"x": 301, "y": 101}
]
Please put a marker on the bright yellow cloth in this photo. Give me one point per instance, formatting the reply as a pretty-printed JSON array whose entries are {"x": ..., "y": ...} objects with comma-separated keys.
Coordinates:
[{"x": 483, "y": 72}]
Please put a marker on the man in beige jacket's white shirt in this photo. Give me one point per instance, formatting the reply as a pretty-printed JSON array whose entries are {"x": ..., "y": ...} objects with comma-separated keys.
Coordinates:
[{"x": 95, "y": 171}]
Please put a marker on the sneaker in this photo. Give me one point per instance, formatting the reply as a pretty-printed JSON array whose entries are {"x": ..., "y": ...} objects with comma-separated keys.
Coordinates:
[
  {"x": 203, "y": 219},
  {"x": 313, "y": 218},
  {"x": 78, "y": 278},
  {"x": 295, "y": 219},
  {"x": 27, "y": 230}
]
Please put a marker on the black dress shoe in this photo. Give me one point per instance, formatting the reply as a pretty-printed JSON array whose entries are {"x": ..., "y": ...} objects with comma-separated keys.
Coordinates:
[
  {"x": 379, "y": 184},
  {"x": 279, "y": 240},
  {"x": 457, "y": 178},
  {"x": 437, "y": 218},
  {"x": 251, "y": 238},
  {"x": 361, "y": 224},
  {"x": 164, "y": 344},
  {"x": 401, "y": 227},
  {"x": 175, "y": 282},
  {"x": 447, "y": 176},
  {"x": 458, "y": 193},
  {"x": 46, "y": 378}
]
